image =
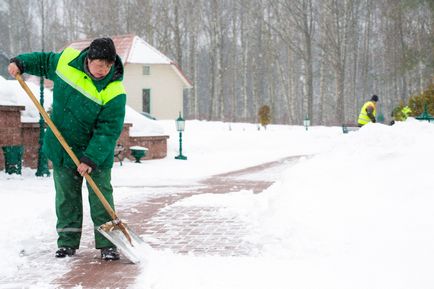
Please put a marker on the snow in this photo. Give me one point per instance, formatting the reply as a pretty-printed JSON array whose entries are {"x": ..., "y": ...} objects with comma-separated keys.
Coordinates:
[
  {"x": 141, "y": 125},
  {"x": 143, "y": 53},
  {"x": 138, "y": 148},
  {"x": 355, "y": 212},
  {"x": 11, "y": 93}
]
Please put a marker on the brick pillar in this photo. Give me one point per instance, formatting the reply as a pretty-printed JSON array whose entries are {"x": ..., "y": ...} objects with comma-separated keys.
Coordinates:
[
  {"x": 30, "y": 139},
  {"x": 124, "y": 138},
  {"x": 10, "y": 128}
]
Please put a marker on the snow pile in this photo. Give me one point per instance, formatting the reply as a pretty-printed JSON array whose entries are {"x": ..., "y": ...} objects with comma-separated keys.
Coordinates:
[
  {"x": 141, "y": 125},
  {"x": 356, "y": 215},
  {"x": 11, "y": 93}
]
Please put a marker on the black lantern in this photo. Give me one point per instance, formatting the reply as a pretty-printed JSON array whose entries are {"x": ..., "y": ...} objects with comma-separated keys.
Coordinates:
[{"x": 180, "y": 126}]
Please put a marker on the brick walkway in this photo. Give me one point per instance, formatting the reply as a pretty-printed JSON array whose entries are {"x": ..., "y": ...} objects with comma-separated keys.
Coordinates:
[{"x": 182, "y": 229}]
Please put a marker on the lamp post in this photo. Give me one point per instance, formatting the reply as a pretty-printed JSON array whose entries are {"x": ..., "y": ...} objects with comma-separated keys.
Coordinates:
[
  {"x": 306, "y": 122},
  {"x": 180, "y": 125},
  {"x": 425, "y": 115},
  {"x": 42, "y": 158}
]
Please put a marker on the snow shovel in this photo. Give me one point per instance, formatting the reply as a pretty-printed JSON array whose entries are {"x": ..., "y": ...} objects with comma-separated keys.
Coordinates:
[{"x": 116, "y": 231}]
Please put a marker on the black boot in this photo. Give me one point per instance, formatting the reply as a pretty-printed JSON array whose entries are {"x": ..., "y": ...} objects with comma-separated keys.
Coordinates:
[
  {"x": 62, "y": 252},
  {"x": 109, "y": 254}
]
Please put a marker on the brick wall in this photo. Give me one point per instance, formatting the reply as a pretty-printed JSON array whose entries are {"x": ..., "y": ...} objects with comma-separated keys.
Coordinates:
[
  {"x": 13, "y": 132},
  {"x": 10, "y": 128},
  {"x": 156, "y": 145}
]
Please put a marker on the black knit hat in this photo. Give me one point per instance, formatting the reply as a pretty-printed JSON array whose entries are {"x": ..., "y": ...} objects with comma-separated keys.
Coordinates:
[
  {"x": 374, "y": 98},
  {"x": 102, "y": 48}
]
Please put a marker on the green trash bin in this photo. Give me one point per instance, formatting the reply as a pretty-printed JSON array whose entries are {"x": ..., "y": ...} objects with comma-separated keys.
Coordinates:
[
  {"x": 344, "y": 128},
  {"x": 13, "y": 159}
]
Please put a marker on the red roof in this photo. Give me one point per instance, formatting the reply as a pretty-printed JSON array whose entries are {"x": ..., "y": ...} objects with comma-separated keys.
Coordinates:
[{"x": 131, "y": 49}]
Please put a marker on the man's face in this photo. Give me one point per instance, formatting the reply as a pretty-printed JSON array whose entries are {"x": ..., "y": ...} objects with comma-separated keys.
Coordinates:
[{"x": 99, "y": 68}]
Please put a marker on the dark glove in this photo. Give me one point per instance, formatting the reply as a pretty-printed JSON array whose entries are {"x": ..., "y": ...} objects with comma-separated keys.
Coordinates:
[
  {"x": 88, "y": 161},
  {"x": 18, "y": 63}
]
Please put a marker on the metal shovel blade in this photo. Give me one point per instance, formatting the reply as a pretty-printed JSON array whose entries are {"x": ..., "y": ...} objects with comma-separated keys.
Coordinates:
[{"x": 130, "y": 250}]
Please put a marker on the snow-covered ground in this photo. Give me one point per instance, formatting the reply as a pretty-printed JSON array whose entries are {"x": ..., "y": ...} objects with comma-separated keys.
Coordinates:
[{"x": 357, "y": 213}]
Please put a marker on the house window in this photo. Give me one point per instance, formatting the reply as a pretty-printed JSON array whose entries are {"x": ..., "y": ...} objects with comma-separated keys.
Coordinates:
[
  {"x": 146, "y": 70},
  {"x": 146, "y": 97}
]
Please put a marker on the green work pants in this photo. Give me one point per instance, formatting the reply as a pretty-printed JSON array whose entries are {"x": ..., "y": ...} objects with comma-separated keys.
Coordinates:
[{"x": 69, "y": 205}]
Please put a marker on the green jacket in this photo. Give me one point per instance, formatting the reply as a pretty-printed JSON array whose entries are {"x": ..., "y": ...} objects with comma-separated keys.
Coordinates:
[{"x": 89, "y": 113}]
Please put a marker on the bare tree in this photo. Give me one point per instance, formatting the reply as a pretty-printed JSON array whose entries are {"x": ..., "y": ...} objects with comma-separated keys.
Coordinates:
[
  {"x": 320, "y": 58},
  {"x": 295, "y": 25},
  {"x": 245, "y": 43},
  {"x": 339, "y": 16},
  {"x": 20, "y": 25},
  {"x": 192, "y": 27}
]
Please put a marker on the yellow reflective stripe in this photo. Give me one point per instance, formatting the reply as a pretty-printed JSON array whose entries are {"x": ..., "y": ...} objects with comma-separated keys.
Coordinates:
[
  {"x": 80, "y": 88},
  {"x": 83, "y": 83},
  {"x": 112, "y": 90},
  {"x": 363, "y": 120}
]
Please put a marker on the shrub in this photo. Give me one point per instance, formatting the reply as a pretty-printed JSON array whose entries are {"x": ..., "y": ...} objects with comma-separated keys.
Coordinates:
[
  {"x": 264, "y": 115},
  {"x": 417, "y": 102}
]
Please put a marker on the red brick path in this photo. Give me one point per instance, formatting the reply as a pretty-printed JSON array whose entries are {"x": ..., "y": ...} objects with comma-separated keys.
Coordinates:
[
  {"x": 164, "y": 224},
  {"x": 182, "y": 229}
]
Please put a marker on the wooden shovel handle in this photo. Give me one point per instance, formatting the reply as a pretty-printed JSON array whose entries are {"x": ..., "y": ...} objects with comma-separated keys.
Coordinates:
[{"x": 66, "y": 146}]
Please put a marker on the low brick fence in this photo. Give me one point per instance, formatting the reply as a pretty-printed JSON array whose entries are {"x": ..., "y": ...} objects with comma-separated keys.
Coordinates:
[
  {"x": 13, "y": 132},
  {"x": 156, "y": 145}
]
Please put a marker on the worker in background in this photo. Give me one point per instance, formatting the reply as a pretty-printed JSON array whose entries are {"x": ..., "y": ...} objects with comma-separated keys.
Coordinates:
[
  {"x": 368, "y": 111},
  {"x": 400, "y": 114}
]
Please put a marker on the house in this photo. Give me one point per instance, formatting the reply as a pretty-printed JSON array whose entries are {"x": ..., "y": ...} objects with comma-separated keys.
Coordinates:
[{"x": 154, "y": 83}]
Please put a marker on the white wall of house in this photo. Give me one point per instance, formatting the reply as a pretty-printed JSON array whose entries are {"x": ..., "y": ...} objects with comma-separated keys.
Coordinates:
[{"x": 166, "y": 89}]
